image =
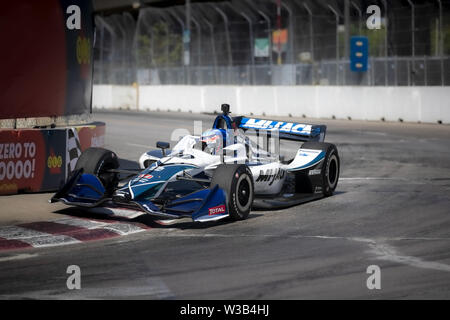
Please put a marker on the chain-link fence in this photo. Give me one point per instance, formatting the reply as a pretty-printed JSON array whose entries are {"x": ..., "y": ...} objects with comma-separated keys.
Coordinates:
[{"x": 246, "y": 42}]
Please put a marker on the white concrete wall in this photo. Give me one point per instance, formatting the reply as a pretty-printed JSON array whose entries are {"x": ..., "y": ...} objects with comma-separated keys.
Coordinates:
[
  {"x": 173, "y": 98},
  {"x": 411, "y": 104},
  {"x": 114, "y": 97}
]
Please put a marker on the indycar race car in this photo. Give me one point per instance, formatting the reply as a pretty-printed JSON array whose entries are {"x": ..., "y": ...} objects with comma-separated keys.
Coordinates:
[{"x": 225, "y": 172}]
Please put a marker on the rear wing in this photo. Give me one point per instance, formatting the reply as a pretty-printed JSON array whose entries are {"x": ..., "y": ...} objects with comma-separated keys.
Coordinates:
[{"x": 287, "y": 130}]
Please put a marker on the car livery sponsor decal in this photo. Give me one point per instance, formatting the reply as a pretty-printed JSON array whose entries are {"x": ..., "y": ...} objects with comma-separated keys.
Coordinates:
[
  {"x": 303, "y": 154},
  {"x": 288, "y": 127},
  {"x": 216, "y": 210},
  {"x": 153, "y": 174},
  {"x": 145, "y": 176},
  {"x": 314, "y": 172},
  {"x": 306, "y": 159},
  {"x": 308, "y": 152},
  {"x": 270, "y": 175}
]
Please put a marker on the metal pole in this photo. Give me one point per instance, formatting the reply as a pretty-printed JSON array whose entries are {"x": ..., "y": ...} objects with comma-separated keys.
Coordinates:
[
  {"x": 152, "y": 50},
  {"x": 181, "y": 24},
  {"x": 167, "y": 36},
  {"x": 269, "y": 34},
  {"x": 311, "y": 40},
  {"x": 311, "y": 30},
  {"x": 441, "y": 43},
  {"x": 337, "y": 43},
  {"x": 199, "y": 42},
  {"x": 269, "y": 27},
  {"x": 108, "y": 28},
  {"x": 279, "y": 32},
  {"x": 291, "y": 40},
  {"x": 347, "y": 28},
  {"x": 227, "y": 35},
  {"x": 425, "y": 70},
  {"x": 187, "y": 44},
  {"x": 409, "y": 71},
  {"x": 199, "y": 48},
  {"x": 360, "y": 17},
  {"x": 252, "y": 41},
  {"x": 396, "y": 71},
  {"x": 213, "y": 47},
  {"x": 346, "y": 38},
  {"x": 122, "y": 30},
  {"x": 372, "y": 73},
  {"x": 130, "y": 27},
  {"x": 102, "y": 37},
  {"x": 385, "y": 43},
  {"x": 413, "y": 38},
  {"x": 291, "y": 31}
]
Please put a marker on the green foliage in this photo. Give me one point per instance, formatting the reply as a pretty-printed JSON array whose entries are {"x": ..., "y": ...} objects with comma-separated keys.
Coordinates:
[
  {"x": 434, "y": 34},
  {"x": 159, "y": 48},
  {"x": 143, "y": 51}
]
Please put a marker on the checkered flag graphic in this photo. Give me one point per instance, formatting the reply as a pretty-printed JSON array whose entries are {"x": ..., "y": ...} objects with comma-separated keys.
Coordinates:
[{"x": 73, "y": 150}]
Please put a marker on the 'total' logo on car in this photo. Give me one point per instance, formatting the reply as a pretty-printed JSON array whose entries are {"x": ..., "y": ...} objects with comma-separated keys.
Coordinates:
[{"x": 217, "y": 210}]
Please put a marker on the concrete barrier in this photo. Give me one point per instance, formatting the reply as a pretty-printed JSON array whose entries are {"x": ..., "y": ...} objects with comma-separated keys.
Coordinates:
[
  {"x": 102, "y": 96},
  {"x": 173, "y": 98},
  {"x": 410, "y": 104},
  {"x": 214, "y": 96},
  {"x": 114, "y": 97}
]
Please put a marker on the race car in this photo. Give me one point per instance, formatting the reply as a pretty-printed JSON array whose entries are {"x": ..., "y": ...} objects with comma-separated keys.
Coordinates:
[{"x": 226, "y": 172}]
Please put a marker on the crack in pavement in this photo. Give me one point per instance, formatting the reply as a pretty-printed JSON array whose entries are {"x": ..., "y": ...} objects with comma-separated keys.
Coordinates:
[{"x": 379, "y": 248}]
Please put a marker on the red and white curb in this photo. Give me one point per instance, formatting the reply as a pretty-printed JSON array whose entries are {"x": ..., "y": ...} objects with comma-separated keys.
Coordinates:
[{"x": 64, "y": 231}]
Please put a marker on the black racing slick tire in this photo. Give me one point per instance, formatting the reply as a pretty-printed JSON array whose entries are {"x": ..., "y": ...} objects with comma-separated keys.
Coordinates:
[
  {"x": 330, "y": 166},
  {"x": 98, "y": 161},
  {"x": 237, "y": 182}
]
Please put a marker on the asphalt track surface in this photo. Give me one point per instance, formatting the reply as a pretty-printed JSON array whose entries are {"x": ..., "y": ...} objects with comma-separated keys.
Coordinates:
[{"x": 391, "y": 209}]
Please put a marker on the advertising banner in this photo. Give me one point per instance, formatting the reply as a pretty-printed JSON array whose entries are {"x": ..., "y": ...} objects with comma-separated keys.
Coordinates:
[
  {"x": 33, "y": 160},
  {"x": 279, "y": 40},
  {"x": 262, "y": 47},
  {"x": 22, "y": 160},
  {"x": 47, "y": 63}
]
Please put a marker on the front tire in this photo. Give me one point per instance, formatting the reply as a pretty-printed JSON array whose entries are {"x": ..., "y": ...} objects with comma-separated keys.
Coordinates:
[
  {"x": 98, "y": 161},
  {"x": 237, "y": 182}
]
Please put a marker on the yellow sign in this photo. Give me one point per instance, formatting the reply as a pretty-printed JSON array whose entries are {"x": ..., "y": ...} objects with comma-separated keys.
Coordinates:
[
  {"x": 83, "y": 50},
  {"x": 6, "y": 188},
  {"x": 54, "y": 162}
]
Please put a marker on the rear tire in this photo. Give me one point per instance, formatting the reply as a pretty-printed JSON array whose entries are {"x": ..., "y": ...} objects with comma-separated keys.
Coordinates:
[
  {"x": 97, "y": 161},
  {"x": 330, "y": 166},
  {"x": 237, "y": 182}
]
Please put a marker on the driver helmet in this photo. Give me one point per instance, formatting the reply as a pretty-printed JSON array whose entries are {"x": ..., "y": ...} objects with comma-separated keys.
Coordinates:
[{"x": 212, "y": 141}]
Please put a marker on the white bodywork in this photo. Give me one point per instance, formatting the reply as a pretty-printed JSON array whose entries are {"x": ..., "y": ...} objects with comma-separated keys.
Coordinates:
[{"x": 268, "y": 172}]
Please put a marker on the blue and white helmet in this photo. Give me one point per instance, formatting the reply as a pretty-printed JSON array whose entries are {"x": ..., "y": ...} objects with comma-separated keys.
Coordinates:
[{"x": 213, "y": 140}]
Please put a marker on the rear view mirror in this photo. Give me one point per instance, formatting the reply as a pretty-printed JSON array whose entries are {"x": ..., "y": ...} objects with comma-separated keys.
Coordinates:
[{"x": 163, "y": 146}]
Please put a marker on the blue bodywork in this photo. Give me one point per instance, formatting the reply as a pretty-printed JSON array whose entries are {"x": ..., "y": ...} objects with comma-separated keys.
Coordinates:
[{"x": 145, "y": 192}]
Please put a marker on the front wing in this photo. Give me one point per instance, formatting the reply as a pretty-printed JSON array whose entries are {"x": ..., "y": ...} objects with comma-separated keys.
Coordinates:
[{"x": 86, "y": 191}]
